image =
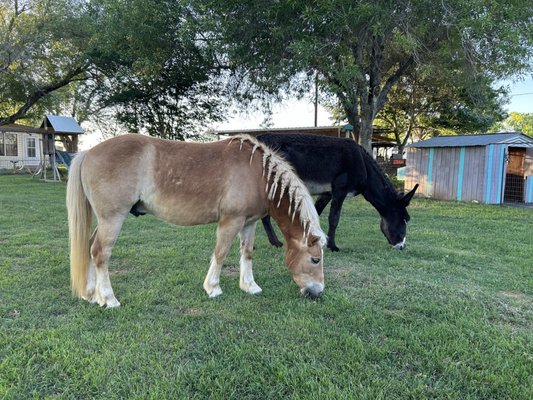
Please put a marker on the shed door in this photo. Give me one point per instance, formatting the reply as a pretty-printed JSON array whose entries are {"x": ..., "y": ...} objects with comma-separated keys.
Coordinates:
[{"x": 514, "y": 178}]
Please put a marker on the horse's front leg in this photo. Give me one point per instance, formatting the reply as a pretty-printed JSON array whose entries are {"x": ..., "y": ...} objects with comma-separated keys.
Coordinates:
[
  {"x": 227, "y": 229},
  {"x": 247, "y": 282}
]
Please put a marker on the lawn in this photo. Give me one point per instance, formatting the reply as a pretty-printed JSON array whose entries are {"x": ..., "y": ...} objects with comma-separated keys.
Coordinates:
[{"x": 450, "y": 317}]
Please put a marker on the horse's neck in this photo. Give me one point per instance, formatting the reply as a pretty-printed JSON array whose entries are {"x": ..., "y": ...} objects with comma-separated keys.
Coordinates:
[{"x": 289, "y": 226}]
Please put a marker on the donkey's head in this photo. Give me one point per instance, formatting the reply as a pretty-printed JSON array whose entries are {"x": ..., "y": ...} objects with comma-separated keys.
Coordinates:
[{"x": 394, "y": 220}]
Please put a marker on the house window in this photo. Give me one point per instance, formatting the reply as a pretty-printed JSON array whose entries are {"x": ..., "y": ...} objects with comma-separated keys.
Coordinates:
[
  {"x": 31, "y": 147},
  {"x": 8, "y": 144}
]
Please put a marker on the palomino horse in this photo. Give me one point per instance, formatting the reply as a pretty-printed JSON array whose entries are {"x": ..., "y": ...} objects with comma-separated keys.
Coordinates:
[
  {"x": 233, "y": 182},
  {"x": 335, "y": 168}
]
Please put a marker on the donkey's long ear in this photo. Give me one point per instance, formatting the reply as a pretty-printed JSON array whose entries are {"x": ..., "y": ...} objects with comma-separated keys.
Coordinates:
[{"x": 408, "y": 196}]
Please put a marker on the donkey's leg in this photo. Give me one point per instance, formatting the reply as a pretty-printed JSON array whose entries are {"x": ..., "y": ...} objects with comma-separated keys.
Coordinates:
[
  {"x": 227, "y": 229},
  {"x": 269, "y": 229},
  {"x": 322, "y": 202},
  {"x": 106, "y": 235},
  {"x": 338, "y": 197},
  {"x": 247, "y": 282}
]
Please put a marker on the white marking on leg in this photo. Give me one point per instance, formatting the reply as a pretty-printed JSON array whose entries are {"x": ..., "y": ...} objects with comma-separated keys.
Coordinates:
[
  {"x": 212, "y": 279},
  {"x": 247, "y": 282},
  {"x": 91, "y": 282}
]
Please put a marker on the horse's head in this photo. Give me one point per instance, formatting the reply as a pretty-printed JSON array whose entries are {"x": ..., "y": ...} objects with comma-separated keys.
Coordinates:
[
  {"x": 395, "y": 218},
  {"x": 305, "y": 262}
]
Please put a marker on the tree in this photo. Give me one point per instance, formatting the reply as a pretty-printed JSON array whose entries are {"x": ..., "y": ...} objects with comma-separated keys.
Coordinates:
[
  {"x": 361, "y": 49},
  {"x": 426, "y": 102},
  {"x": 156, "y": 69},
  {"x": 144, "y": 60},
  {"x": 519, "y": 122},
  {"x": 41, "y": 52}
]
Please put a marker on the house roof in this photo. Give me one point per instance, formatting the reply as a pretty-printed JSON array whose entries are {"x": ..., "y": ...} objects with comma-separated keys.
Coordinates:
[
  {"x": 20, "y": 128},
  {"x": 515, "y": 138},
  {"x": 61, "y": 124}
]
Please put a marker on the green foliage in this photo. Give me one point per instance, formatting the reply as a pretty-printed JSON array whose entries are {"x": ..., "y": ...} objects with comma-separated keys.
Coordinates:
[
  {"x": 362, "y": 49},
  {"x": 517, "y": 122},
  {"x": 450, "y": 317},
  {"x": 156, "y": 66},
  {"x": 428, "y": 102},
  {"x": 144, "y": 60},
  {"x": 42, "y": 50}
]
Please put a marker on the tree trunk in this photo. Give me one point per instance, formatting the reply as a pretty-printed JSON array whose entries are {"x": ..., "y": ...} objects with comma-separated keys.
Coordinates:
[{"x": 365, "y": 134}]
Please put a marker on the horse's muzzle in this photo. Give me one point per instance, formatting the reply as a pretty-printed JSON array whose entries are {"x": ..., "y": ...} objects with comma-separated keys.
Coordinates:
[{"x": 314, "y": 291}]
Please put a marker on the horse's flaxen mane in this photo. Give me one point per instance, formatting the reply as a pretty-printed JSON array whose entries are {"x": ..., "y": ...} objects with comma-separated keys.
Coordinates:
[{"x": 280, "y": 174}]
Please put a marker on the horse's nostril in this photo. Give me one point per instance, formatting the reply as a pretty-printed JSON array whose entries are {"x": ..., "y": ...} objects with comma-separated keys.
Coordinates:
[{"x": 312, "y": 292}]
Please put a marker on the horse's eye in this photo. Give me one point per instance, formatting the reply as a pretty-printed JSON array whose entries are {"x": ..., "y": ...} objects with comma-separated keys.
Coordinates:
[{"x": 315, "y": 260}]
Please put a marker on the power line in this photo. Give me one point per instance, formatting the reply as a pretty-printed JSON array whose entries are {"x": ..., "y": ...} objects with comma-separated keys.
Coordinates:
[{"x": 521, "y": 94}]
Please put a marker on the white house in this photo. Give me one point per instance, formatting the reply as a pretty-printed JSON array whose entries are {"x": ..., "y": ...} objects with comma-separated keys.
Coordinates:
[{"x": 22, "y": 145}]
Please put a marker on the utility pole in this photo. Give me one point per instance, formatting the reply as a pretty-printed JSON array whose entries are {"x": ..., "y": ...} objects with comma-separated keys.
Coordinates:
[{"x": 316, "y": 98}]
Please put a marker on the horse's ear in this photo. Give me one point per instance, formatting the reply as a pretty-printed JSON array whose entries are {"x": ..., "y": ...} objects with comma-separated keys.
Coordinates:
[{"x": 408, "y": 196}]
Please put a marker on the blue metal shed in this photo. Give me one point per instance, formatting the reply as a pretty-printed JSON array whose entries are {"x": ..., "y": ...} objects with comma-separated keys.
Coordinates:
[{"x": 489, "y": 168}]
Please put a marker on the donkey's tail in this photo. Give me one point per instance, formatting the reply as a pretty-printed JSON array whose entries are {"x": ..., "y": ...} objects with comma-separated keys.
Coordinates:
[{"x": 79, "y": 226}]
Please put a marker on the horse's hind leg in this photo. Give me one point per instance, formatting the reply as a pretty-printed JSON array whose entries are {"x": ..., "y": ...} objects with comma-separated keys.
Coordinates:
[
  {"x": 91, "y": 275},
  {"x": 247, "y": 282},
  {"x": 227, "y": 229},
  {"x": 104, "y": 240}
]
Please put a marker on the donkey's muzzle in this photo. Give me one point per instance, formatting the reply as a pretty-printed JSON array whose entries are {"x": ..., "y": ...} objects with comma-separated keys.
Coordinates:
[{"x": 401, "y": 245}]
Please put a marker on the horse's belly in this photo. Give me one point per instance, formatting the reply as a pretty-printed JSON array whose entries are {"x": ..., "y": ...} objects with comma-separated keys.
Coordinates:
[{"x": 184, "y": 213}]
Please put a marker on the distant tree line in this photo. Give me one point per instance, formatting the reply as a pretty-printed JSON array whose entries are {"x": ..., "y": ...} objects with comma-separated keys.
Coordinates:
[{"x": 417, "y": 67}]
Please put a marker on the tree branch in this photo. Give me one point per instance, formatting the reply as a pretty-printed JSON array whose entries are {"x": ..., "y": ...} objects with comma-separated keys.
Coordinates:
[{"x": 37, "y": 95}]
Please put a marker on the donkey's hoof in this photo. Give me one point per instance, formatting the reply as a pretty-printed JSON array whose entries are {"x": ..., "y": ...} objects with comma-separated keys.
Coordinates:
[{"x": 333, "y": 247}]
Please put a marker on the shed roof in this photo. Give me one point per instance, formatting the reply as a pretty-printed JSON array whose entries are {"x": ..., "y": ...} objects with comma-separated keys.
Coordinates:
[
  {"x": 61, "y": 124},
  {"x": 516, "y": 138}
]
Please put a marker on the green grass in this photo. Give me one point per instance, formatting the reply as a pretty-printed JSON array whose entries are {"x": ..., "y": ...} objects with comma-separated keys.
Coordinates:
[{"x": 451, "y": 317}]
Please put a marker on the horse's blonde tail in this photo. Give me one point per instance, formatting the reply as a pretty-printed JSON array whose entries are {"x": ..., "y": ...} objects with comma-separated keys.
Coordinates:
[{"x": 79, "y": 226}]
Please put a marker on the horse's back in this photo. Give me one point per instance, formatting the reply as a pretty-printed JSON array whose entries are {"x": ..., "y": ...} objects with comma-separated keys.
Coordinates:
[{"x": 183, "y": 183}]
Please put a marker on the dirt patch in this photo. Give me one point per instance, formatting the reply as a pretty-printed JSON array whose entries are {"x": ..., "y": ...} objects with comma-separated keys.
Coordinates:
[
  {"x": 189, "y": 311},
  {"x": 230, "y": 270},
  {"x": 118, "y": 272},
  {"x": 515, "y": 295}
]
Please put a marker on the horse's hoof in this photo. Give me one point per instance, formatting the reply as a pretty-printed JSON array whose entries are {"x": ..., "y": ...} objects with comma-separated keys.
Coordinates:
[
  {"x": 278, "y": 244},
  {"x": 113, "y": 303},
  {"x": 333, "y": 248},
  {"x": 252, "y": 289},
  {"x": 216, "y": 291}
]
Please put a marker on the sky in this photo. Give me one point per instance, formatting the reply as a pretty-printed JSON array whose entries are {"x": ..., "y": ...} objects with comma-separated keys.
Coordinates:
[
  {"x": 521, "y": 96},
  {"x": 296, "y": 113},
  {"x": 300, "y": 113}
]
